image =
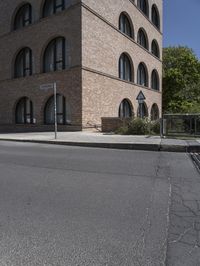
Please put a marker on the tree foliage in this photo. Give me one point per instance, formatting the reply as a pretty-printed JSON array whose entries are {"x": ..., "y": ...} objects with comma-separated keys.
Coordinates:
[{"x": 181, "y": 80}]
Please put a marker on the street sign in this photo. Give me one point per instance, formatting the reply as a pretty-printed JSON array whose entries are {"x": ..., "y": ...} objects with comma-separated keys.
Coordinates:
[
  {"x": 140, "y": 98},
  {"x": 46, "y": 87}
]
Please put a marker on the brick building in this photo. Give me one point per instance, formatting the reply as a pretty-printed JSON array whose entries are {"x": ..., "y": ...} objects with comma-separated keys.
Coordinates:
[{"x": 100, "y": 53}]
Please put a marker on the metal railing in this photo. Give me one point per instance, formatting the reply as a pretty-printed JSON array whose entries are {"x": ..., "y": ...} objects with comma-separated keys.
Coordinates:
[{"x": 181, "y": 124}]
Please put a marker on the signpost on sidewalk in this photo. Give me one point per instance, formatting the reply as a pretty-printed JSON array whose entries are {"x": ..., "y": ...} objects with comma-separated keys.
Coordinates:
[
  {"x": 50, "y": 86},
  {"x": 140, "y": 98}
]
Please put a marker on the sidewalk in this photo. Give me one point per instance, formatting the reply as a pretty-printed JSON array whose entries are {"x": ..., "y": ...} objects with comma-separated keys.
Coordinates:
[{"x": 103, "y": 140}]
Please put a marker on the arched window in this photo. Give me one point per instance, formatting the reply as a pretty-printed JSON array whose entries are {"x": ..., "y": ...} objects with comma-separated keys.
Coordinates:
[
  {"x": 24, "y": 111},
  {"x": 155, "y": 80},
  {"x": 125, "y": 109},
  {"x": 23, "y": 63},
  {"x": 154, "y": 112},
  {"x": 125, "y": 25},
  {"x": 142, "y": 110},
  {"x": 23, "y": 17},
  {"x": 155, "y": 16},
  {"x": 54, "y": 55},
  {"x": 142, "y": 75},
  {"x": 125, "y": 68},
  {"x": 155, "y": 49},
  {"x": 63, "y": 111},
  {"x": 54, "y": 6},
  {"x": 142, "y": 39},
  {"x": 143, "y": 6}
]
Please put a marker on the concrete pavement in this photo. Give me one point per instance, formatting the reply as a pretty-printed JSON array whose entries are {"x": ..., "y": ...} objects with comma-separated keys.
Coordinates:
[{"x": 91, "y": 139}]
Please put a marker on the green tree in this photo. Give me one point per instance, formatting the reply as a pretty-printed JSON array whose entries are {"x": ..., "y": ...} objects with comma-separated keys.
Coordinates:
[{"x": 181, "y": 80}]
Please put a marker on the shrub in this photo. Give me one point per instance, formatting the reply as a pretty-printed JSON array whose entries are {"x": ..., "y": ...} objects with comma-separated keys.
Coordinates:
[
  {"x": 155, "y": 127},
  {"x": 139, "y": 126}
]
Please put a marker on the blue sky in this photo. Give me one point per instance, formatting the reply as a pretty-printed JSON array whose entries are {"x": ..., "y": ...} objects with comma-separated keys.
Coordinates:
[{"x": 182, "y": 23}]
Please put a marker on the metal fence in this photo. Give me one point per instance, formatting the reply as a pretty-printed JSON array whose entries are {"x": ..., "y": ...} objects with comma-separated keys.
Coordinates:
[{"x": 181, "y": 124}]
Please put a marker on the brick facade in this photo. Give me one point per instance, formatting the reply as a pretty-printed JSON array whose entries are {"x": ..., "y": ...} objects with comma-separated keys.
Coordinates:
[{"x": 90, "y": 82}]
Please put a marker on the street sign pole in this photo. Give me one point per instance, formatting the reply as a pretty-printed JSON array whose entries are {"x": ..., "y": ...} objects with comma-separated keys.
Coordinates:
[{"x": 55, "y": 109}]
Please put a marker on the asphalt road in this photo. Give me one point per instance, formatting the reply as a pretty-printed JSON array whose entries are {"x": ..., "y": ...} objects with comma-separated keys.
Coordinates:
[{"x": 70, "y": 206}]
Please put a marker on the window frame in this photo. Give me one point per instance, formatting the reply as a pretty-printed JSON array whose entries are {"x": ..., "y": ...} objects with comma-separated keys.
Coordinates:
[
  {"x": 55, "y": 7},
  {"x": 22, "y": 15},
  {"x": 155, "y": 11},
  {"x": 124, "y": 20},
  {"x": 142, "y": 33},
  {"x": 122, "y": 109},
  {"x": 139, "y": 75},
  {"x": 22, "y": 55},
  {"x": 140, "y": 4},
  {"x": 155, "y": 44},
  {"x": 63, "y": 113},
  {"x": 54, "y": 44},
  {"x": 122, "y": 68},
  {"x": 23, "y": 101},
  {"x": 154, "y": 75}
]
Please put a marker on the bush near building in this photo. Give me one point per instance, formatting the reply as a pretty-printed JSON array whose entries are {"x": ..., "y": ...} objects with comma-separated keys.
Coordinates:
[{"x": 140, "y": 126}]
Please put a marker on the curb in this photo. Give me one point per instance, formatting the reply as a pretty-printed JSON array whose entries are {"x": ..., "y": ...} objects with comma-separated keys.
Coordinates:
[{"x": 121, "y": 146}]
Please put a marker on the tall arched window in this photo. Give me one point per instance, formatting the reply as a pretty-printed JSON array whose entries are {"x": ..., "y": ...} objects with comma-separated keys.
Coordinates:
[
  {"x": 143, "y": 6},
  {"x": 154, "y": 112},
  {"x": 125, "y": 68},
  {"x": 155, "y": 80},
  {"x": 63, "y": 111},
  {"x": 142, "y": 110},
  {"x": 155, "y": 49},
  {"x": 142, "y": 39},
  {"x": 54, "y": 55},
  {"x": 125, "y": 25},
  {"x": 23, "y": 63},
  {"x": 23, "y": 17},
  {"x": 142, "y": 75},
  {"x": 155, "y": 16},
  {"x": 54, "y": 6},
  {"x": 24, "y": 111},
  {"x": 125, "y": 109}
]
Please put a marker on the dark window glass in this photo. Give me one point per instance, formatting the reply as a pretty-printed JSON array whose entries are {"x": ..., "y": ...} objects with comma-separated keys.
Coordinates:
[
  {"x": 142, "y": 110},
  {"x": 142, "y": 77},
  {"x": 54, "y": 56},
  {"x": 125, "y": 110},
  {"x": 24, "y": 111},
  {"x": 125, "y": 25},
  {"x": 125, "y": 69},
  {"x": 154, "y": 80},
  {"x": 63, "y": 111},
  {"x": 155, "y": 17},
  {"x": 142, "y": 39},
  {"x": 155, "y": 49},
  {"x": 154, "y": 112},
  {"x": 23, "y": 63},
  {"x": 143, "y": 6},
  {"x": 23, "y": 17},
  {"x": 54, "y": 6}
]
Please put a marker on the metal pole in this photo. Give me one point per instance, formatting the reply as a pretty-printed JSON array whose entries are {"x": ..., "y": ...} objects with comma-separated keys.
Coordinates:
[
  {"x": 55, "y": 109},
  {"x": 141, "y": 114}
]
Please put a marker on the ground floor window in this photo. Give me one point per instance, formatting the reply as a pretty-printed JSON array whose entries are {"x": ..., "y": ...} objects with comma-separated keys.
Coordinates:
[
  {"x": 63, "y": 111},
  {"x": 125, "y": 109},
  {"x": 24, "y": 111},
  {"x": 142, "y": 110},
  {"x": 154, "y": 112}
]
